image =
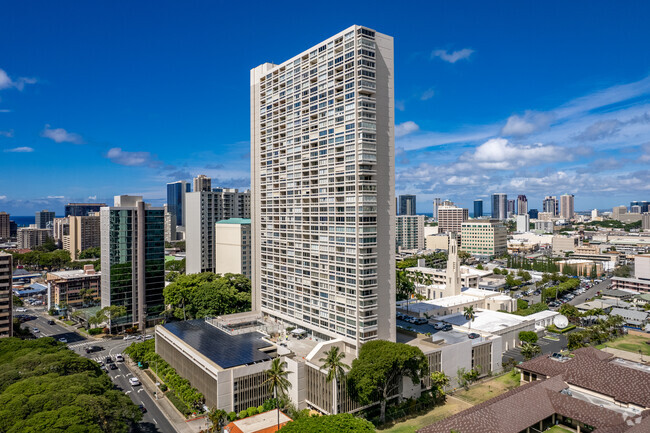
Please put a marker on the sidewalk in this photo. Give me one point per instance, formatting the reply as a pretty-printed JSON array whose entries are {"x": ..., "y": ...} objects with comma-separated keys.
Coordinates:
[{"x": 175, "y": 418}]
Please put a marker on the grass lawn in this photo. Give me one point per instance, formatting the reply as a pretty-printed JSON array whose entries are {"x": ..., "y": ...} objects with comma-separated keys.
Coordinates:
[
  {"x": 558, "y": 429},
  {"x": 460, "y": 401},
  {"x": 491, "y": 388},
  {"x": 631, "y": 343},
  {"x": 451, "y": 407}
]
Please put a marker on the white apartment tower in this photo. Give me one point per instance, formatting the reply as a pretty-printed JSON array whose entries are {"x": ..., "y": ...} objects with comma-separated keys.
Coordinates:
[{"x": 323, "y": 188}]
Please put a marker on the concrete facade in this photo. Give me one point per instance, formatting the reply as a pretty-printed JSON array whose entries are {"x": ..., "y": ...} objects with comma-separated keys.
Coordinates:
[
  {"x": 232, "y": 252},
  {"x": 451, "y": 218},
  {"x": 83, "y": 232},
  {"x": 6, "y": 295},
  {"x": 410, "y": 232},
  {"x": 30, "y": 238},
  {"x": 331, "y": 160},
  {"x": 484, "y": 238}
]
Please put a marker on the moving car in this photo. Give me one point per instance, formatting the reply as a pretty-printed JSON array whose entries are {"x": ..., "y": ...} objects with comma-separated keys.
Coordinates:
[
  {"x": 119, "y": 358},
  {"x": 113, "y": 366},
  {"x": 420, "y": 321},
  {"x": 109, "y": 360},
  {"x": 143, "y": 409},
  {"x": 91, "y": 349},
  {"x": 438, "y": 325},
  {"x": 21, "y": 310},
  {"x": 134, "y": 381},
  {"x": 50, "y": 322}
]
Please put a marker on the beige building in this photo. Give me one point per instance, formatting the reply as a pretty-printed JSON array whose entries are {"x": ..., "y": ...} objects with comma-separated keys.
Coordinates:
[
  {"x": 567, "y": 202},
  {"x": 83, "y": 232},
  {"x": 451, "y": 218},
  {"x": 323, "y": 188},
  {"x": 30, "y": 238},
  {"x": 563, "y": 244},
  {"x": 410, "y": 232},
  {"x": 78, "y": 288},
  {"x": 6, "y": 296},
  {"x": 437, "y": 242},
  {"x": 202, "y": 183},
  {"x": 617, "y": 211},
  {"x": 484, "y": 238},
  {"x": 60, "y": 228},
  {"x": 581, "y": 267},
  {"x": 5, "y": 226},
  {"x": 232, "y": 251}
]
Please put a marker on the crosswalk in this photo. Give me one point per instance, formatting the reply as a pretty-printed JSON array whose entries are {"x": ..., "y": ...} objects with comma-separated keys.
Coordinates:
[{"x": 82, "y": 344}]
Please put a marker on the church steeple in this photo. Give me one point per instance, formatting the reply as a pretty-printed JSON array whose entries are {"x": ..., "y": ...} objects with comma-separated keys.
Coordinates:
[{"x": 453, "y": 287}]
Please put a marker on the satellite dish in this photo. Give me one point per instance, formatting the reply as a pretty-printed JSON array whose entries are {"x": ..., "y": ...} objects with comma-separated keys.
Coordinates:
[{"x": 560, "y": 321}]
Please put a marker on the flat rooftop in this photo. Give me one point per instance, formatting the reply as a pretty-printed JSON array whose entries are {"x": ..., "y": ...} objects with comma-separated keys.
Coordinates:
[
  {"x": 78, "y": 273},
  {"x": 486, "y": 320},
  {"x": 223, "y": 349}
]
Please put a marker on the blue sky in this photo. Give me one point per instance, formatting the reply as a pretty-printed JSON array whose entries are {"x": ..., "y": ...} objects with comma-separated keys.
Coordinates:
[{"x": 104, "y": 98}]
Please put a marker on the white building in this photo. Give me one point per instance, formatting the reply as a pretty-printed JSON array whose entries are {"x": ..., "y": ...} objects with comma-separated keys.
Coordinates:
[
  {"x": 232, "y": 251},
  {"x": 410, "y": 232},
  {"x": 323, "y": 185},
  {"x": 523, "y": 223}
]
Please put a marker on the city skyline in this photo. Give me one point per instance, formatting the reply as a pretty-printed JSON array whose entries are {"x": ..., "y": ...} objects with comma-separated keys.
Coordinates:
[{"x": 542, "y": 116}]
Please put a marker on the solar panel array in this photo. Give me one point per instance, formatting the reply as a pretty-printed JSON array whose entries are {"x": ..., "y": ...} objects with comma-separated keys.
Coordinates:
[{"x": 221, "y": 348}]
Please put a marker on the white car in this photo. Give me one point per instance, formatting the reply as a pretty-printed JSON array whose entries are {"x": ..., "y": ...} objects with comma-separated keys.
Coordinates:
[
  {"x": 129, "y": 337},
  {"x": 119, "y": 358},
  {"x": 63, "y": 340},
  {"x": 21, "y": 310},
  {"x": 35, "y": 330},
  {"x": 134, "y": 381}
]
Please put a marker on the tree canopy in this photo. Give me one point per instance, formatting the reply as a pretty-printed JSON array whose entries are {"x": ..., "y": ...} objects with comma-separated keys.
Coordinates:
[
  {"x": 380, "y": 366},
  {"x": 206, "y": 294},
  {"x": 342, "y": 423},
  {"x": 90, "y": 253},
  {"x": 44, "y": 387}
]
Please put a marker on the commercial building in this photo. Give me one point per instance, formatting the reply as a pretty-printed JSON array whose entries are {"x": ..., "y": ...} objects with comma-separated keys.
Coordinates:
[
  {"x": 204, "y": 209},
  {"x": 500, "y": 206},
  {"x": 437, "y": 242},
  {"x": 176, "y": 200},
  {"x": 512, "y": 208},
  {"x": 6, "y": 295},
  {"x": 5, "y": 226},
  {"x": 76, "y": 289},
  {"x": 410, "y": 232},
  {"x": 533, "y": 213},
  {"x": 30, "y": 238},
  {"x": 322, "y": 147},
  {"x": 522, "y": 205},
  {"x": 587, "y": 268},
  {"x": 407, "y": 204},
  {"x": 478, "y": 208},
  {"x": 60, "y": 228},
  {"x": 635, "y": 209},
  {"x": 551, "y": 205},
  {"x": 82, "y": 209},
  {"x": 436, "y": 204},
  {"x": 133, "y": 260},
  {"x": 563, "y": 244},
  {"x": 567, "y": 206},
  {"x": 486, "y": 238},
  {"x": 202, "y": 183},
  {"x": 589, "y": 391},
  {"x": 618, "y": 211},
  {"x": 83, "y": 232},
  {"x": 233, "y": 246},
  {"x": 44, "y": 219},
  {"x": 170, "y": 224},
  {"x": 642, "y": 204},
  {"x": 451, "y": 218},
  {"x": 523, "y": 223}
]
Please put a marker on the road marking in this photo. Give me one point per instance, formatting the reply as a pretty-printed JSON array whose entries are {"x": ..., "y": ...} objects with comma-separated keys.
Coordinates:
[
  {"x": 127, "y": 392},
  {"x": 129, "y": 374},
  {"x": 154, "y": 420},
  {"x": 117, "y": 375},
  {"x": 142, "y": 402},
  {"x": 141, "y": 389}
]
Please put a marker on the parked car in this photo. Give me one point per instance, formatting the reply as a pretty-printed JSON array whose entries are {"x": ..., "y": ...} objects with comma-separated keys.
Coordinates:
[
  {"x": 129, "y": 337},
  {"x": 134, "y": 381},
  {"x": 35, "y": 330},
  {"x": 421, "y": 321},
  {"x": 473, "y": 335},
  {"x": 63, "y": 340},
  {"x": 447, "y": 327}
]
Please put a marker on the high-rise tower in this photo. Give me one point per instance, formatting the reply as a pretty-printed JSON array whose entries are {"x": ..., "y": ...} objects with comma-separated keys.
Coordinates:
[{"x": 323, "y": 188}]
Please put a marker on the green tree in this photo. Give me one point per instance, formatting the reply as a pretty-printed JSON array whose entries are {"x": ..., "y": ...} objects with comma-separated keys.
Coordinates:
[
  {"x": 529, "y": 351},
  {"x": 439, "y": 380},
  {"x": 378, "y": 369},
  {"x": 569, "y": 311},
  {"x": 108, "y": 314},
  {"x": 469, "y": 314},
  {"x": 47, "y": 246},
  {"x": 342, "y": 423},
  {"x": 622, "y": 271},
  {"x": 219, "y": 418},
  {"x": 90, "y": 253},
  {"x": 175, "y": 266},
  {"x": 464, "y": 256},
  {"x": 528, "y": 336},
  {"x": 276, "y": 380},
  {"x": 576, "y": 340},
  {"x": 335, "y": 367}
]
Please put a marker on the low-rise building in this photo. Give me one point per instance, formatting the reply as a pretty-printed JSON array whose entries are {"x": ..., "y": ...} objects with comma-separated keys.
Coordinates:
[
  {"x": 437, "y": 242},
  {"x": 485, "y": 238},
  {"x": 265, "y": 422},
  {"x": 635, "y": 284},
  {"x": 76, "y": 289},
  {"x": 30, "y": 238},
  {"x": 563, "y": 244},
  {"x": 587, "y": 268},
  {"x": 633, "y": 318},
  {"x": 410, "y": 232}
]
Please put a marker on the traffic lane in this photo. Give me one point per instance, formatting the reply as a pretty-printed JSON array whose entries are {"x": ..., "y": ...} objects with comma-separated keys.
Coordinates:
[{"x": 153, "y": 419}]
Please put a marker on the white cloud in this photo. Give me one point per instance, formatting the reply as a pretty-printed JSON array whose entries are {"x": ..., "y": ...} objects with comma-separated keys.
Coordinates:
[
  {"x": 600, "y": 130},
  {"x": 406, "y": 128},
  {"x": 131, "y": 159},
  {"x": 7, "y": 134},
  {"x": 454, "y": 56},
  {"x": 500, "y": 154},
  {"x": 5, "y": 110},
  {"x": 60, "y": 135},
  {"x": 55, "y": 197},
  {"x": 19, "y": 83},
  {"x": 92, "y": 197},
  {"x": 400, "y": 105},
  {"x": 527, "y": 124},
  {"x": 3, "y": 197},
  {"x": 428, "y": 94},
  {"x": 23, "y": 149}
]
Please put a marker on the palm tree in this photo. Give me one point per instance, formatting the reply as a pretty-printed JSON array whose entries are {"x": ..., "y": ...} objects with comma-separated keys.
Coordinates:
[
  {"x": 529, "y": 351},
  {"x": 469, "y": 315},
  {"x": 276, "y": 378},
  {"x": 333, "y": 364},
  {"x": 218, "y": 418}
]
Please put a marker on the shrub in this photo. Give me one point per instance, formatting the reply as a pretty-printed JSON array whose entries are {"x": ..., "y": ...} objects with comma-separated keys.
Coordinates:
[
  {"x": 163, "y": 387},
  {"x": 232, "y": 416},
  {"x": 260, "y": 409},
  {"x": 243, "y": 414},
  {"x": 95, "y": 331},
  {"x": 528, "y": 336},
  {"x": 252, "y": 411}
]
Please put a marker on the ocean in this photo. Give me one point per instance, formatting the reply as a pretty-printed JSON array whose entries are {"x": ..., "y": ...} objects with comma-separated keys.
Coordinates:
[{"x": 24, "y": 221}]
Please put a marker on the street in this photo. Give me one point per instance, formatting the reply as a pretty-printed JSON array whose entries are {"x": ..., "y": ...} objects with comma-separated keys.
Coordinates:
[
  {"x": 153, "y": 420},
  {"x": 591, "y": 292}
]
